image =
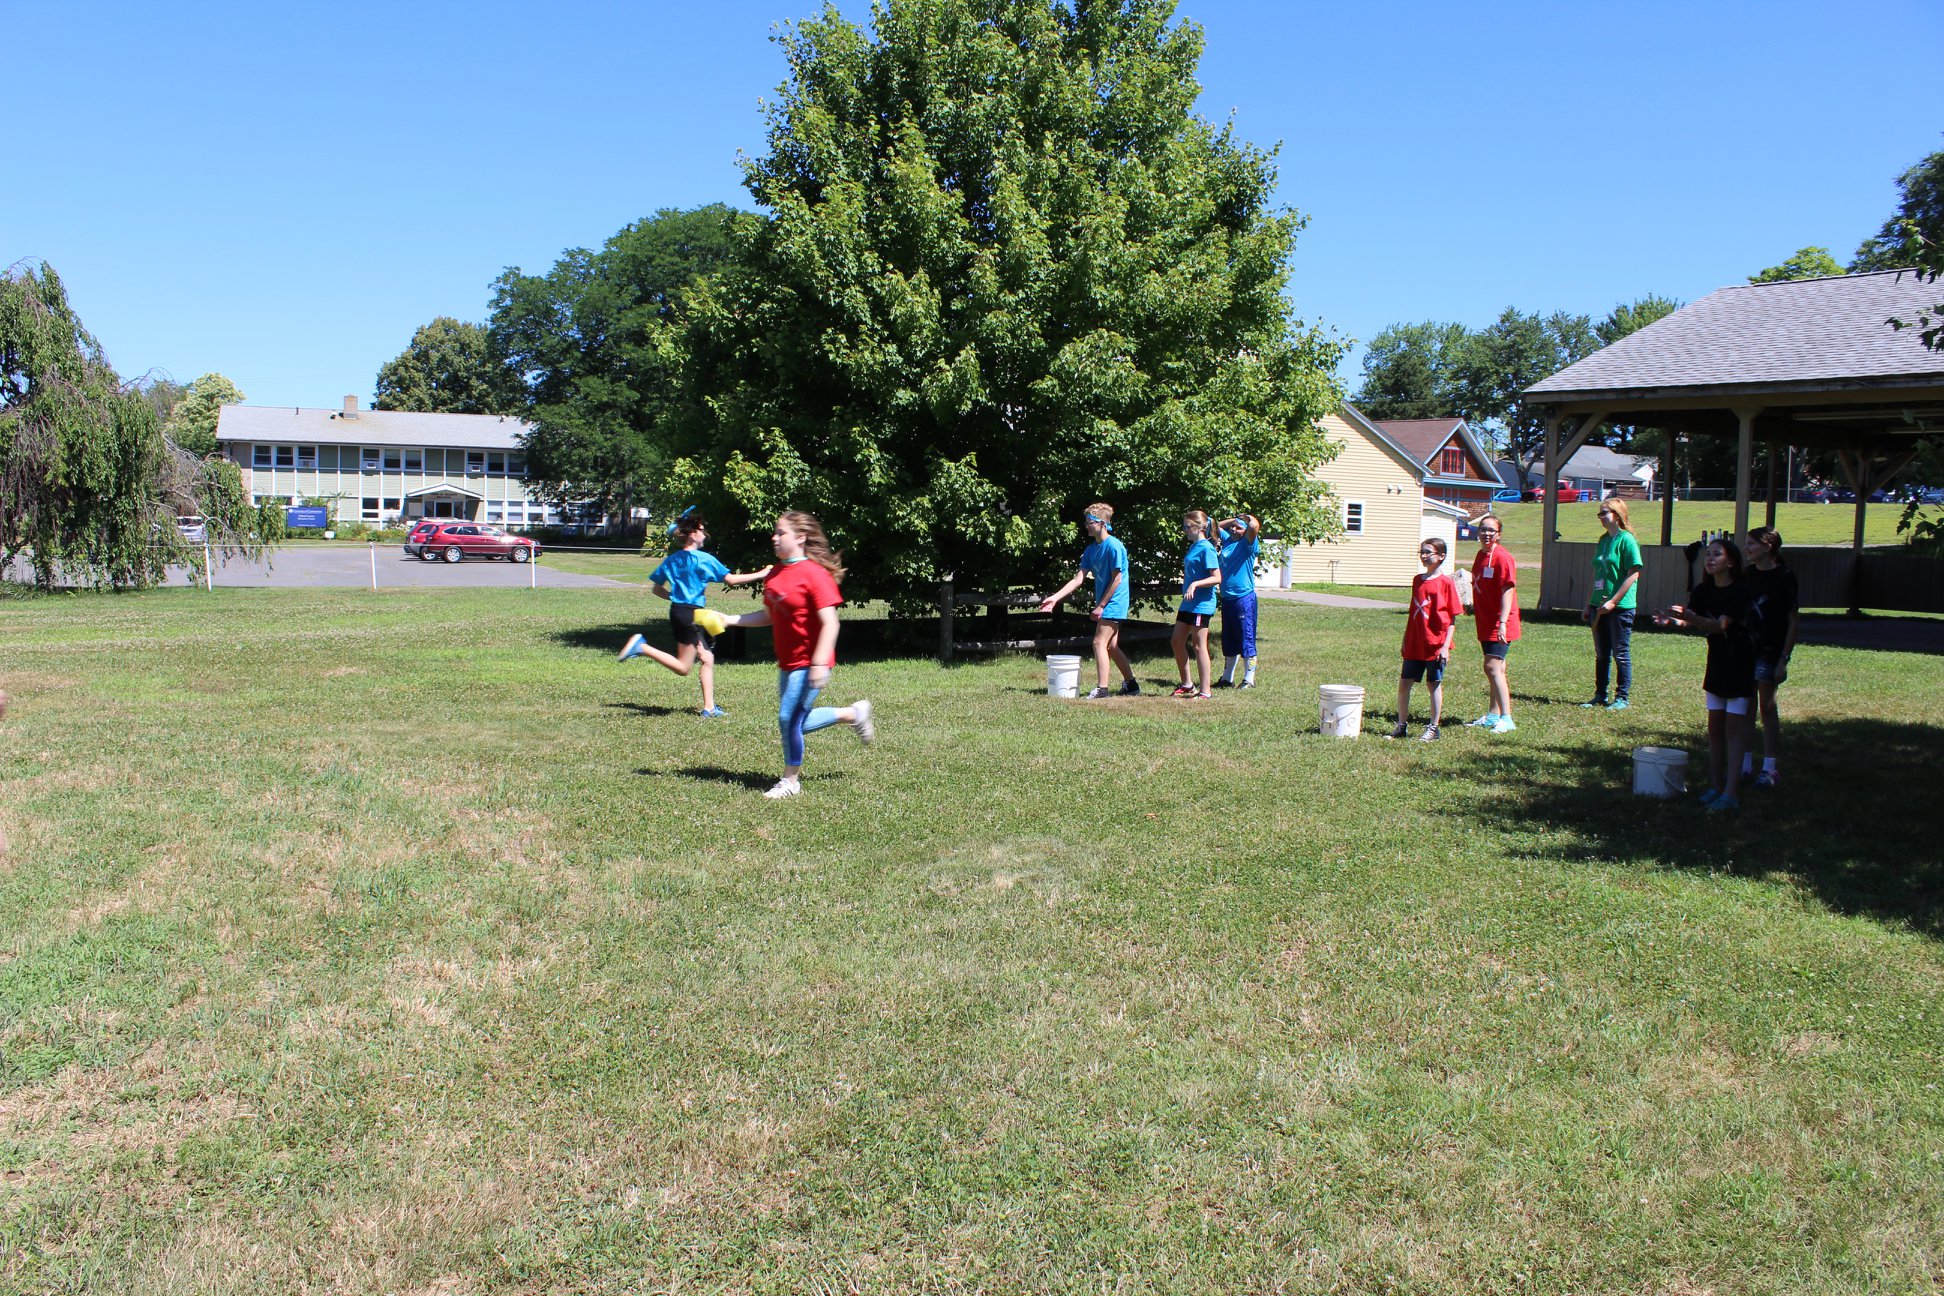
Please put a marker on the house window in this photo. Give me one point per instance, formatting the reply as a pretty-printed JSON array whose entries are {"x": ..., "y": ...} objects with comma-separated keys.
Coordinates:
[
  {"x": 394, "y": 459},
  {"x": 370, "y": 459},
  {"x": 516, "y": 465},
  {"x": 1452, "y": 462},
  {"x": 260, "y": 457},
  {"x": 392, "y": 505},
  {"x": 475, "y": 461},
  {"x": 286, "y": 456},
  {"x": 415, "y": 460},
  {"x": 370, "y": 508},
  {"x": 496, "y": 463},
  {"x": 1353, "y": 517}
]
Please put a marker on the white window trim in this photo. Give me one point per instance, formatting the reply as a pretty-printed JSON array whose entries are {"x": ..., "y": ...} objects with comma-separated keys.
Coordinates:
[
  {"x": 260, "y": 455},
  {"x": 1363, "y": 515}
]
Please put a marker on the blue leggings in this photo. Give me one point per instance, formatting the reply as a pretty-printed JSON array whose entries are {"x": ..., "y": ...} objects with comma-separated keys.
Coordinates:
[{"x": 794, "y": 715}]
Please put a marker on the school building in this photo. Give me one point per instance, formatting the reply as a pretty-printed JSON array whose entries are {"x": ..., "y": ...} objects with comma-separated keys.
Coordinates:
[{"x": 385, "y": 466}]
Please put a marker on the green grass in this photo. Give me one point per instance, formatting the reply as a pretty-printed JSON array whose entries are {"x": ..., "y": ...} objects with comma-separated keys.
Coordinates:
[
  {"x": 632, "y": 568},
  {"x": 409, "y": 943}
]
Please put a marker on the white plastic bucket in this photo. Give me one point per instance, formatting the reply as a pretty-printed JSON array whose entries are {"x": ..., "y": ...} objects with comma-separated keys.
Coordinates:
[
  {"x": 1660, "y": 771},
  {"x": 1340, "y": 707},
  {"x": 1063, "y": 676}
]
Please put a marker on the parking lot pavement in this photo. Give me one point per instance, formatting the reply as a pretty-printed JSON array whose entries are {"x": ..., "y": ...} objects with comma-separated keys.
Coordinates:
[{"x": 351, "y": 565}]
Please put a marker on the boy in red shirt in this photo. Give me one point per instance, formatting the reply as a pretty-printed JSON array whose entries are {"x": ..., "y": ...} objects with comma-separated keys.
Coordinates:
[{"x": 1427, "y": 639}]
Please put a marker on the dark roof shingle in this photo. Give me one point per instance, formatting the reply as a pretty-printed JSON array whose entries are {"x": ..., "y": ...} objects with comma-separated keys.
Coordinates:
[{"x": 1798, "y": 331}]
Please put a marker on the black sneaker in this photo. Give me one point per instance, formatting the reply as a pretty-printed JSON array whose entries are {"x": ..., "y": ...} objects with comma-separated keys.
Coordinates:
[
  {"x": 1130, "y": 689},
  {"x": 1099, "y": 693},
  {"x": 1399, "y": 730},
  {"x": 1246, "y": 683},
  {"x": 1222, "y": 683}
]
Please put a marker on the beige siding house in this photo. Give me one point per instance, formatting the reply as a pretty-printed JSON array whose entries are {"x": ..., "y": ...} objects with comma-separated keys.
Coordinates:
[{"x": 1379, "y": 490}]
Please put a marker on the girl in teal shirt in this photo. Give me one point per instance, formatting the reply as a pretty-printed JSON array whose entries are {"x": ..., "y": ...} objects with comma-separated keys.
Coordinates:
[{"x": 1610, "y": 610}]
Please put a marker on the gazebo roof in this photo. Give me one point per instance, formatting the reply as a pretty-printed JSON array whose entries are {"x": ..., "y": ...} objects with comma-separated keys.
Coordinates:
[{"x": 1798, "y": 335}]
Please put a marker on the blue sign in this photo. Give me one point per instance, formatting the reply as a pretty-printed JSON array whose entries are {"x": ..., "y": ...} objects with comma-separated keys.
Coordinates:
[{"x": 307, "y": 517}]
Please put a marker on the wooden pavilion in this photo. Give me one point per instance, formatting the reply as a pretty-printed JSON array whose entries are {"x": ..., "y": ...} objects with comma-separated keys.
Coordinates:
[{"x": 1808, "y": 362}]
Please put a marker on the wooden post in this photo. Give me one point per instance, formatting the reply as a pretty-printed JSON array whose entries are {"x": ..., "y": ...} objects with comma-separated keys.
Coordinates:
[
  {"x": 1548, "y": 505},
  {"x": 1667, "y": 490},
  {"x": 946, "y": 606},
  {"x": 1769, "y": 519},
  {"x": 1744, "y": 452}
]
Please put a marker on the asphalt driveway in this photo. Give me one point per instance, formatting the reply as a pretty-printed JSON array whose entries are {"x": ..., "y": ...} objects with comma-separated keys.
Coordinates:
[{"x": 350, "y": 565}]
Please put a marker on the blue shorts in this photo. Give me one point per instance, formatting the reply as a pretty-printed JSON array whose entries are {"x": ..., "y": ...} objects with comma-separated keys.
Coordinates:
[
  {"x": 1496, "y": 648},
  {"x": 1431, "y": 672},
  {"x": 1769, "y": 667},
  {"x": 1238, "y": 626}
]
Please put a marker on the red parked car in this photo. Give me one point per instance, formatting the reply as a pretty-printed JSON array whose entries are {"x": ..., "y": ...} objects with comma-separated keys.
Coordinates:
[
  {"x": 1567, "y": 494},
  {"x": 454, "y": 541}
]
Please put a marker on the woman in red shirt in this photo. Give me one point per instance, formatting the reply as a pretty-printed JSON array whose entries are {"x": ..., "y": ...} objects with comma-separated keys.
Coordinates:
[
  {"x": 800, "y": 601},
  {"x": 1495, "y": 608}
]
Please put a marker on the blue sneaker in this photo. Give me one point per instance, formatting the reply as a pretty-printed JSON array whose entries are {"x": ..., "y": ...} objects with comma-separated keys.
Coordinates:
[
  {"x": 713, "y": 713},
  {"x": 635, "y": 647},
  {"x": 1618, "y": 704},
  {"x": 1721, "y": 803},
  {"x": 1503, "y": 725},
  {"x": 1596, "y": 702},
  {"x": 1485, "y": 721},
  {"x": 1709, "y": 797}
]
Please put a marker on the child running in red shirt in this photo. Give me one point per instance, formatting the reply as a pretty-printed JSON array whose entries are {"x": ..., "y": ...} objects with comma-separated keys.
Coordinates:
[
  {"x": 1427, "y": 639},
  {"x": 800, "y": 601}
]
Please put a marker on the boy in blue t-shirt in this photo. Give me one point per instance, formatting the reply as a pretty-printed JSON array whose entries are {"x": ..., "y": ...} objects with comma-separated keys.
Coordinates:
[
  {"x": 1240, "y": 542},
  {"x": 1105, "y": 560},
  {"x": 683, "y": 579}
]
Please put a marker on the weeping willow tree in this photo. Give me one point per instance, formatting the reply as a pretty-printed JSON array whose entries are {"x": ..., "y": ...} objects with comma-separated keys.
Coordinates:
[{"x": 89, "y": 486}]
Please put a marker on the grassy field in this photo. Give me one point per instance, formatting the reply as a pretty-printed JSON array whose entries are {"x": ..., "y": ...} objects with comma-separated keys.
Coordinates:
[
  {"x": 1800, "y": 524},
  {"x": 408, "y": 943}
]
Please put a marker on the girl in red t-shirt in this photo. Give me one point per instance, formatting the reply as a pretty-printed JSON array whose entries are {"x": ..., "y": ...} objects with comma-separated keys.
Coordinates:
[
  {"x": 800, "y": 601},
  {"x": 1495, "y": 608}
]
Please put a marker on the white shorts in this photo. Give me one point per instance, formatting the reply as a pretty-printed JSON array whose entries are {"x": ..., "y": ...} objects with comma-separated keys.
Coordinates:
[{"x": 1733, "y": 706}]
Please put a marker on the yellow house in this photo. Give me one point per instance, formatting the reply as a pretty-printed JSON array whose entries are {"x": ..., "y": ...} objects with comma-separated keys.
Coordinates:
[{"x": 1378, "y": 486}]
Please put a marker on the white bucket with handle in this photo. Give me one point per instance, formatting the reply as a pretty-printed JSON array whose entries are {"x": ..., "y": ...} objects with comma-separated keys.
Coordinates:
[
  {"x": 1063, "y": 676},
  {"x": 1340, "y": 708},
  {"x": 1659, "y": 771}
]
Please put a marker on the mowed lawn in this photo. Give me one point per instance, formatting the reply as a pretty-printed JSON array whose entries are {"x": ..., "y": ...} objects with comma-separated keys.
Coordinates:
[{"x": 408, "y": 943}]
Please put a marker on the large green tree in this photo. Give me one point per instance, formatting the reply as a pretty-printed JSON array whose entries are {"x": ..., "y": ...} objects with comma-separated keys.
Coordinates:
[
  {"x": 1408, "y": 371},
  {"x": 445, "y": 369},
  {"x": 192, "y": 420},
  {"x": 1914, "y": 234},
  {"x": 89, "y": 486},
  {"x": 1808, "y": 263},
  {"x": 1500, "y": 361},
  {"x": 582, "y": 351},
  {"x": 1007, "y": 272}
]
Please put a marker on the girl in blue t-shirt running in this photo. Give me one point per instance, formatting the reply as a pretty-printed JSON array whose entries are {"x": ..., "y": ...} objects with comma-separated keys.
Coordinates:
[{"x": 683, "y": 579}]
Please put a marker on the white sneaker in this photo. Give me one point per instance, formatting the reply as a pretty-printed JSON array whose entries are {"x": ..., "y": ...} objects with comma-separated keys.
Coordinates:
[
  {"x": 635, "y": 646},
  {"x": 1503, "y": 725},
  {"x": 787, "y": 787},
  {"x": 866, "y": 730},
  {"x": 1485, "y": 721}
]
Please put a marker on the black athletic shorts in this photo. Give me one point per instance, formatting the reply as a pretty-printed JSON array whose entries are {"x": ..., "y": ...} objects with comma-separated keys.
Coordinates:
[
  {"x": 1199, "y": 620},
  {"x": 682, "y": 618}
]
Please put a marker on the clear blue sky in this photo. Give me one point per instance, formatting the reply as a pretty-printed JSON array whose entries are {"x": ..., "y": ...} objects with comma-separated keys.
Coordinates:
[{"x": 282, "y": 193}]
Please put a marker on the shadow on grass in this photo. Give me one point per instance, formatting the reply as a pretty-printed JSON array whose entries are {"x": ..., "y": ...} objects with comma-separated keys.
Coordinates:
[
  {"x": 647, "y": 708},
  {"x": 870, "y": 638},
  {"x": 1849, "y": 823},
  {"x": 753, "y": 780}
]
